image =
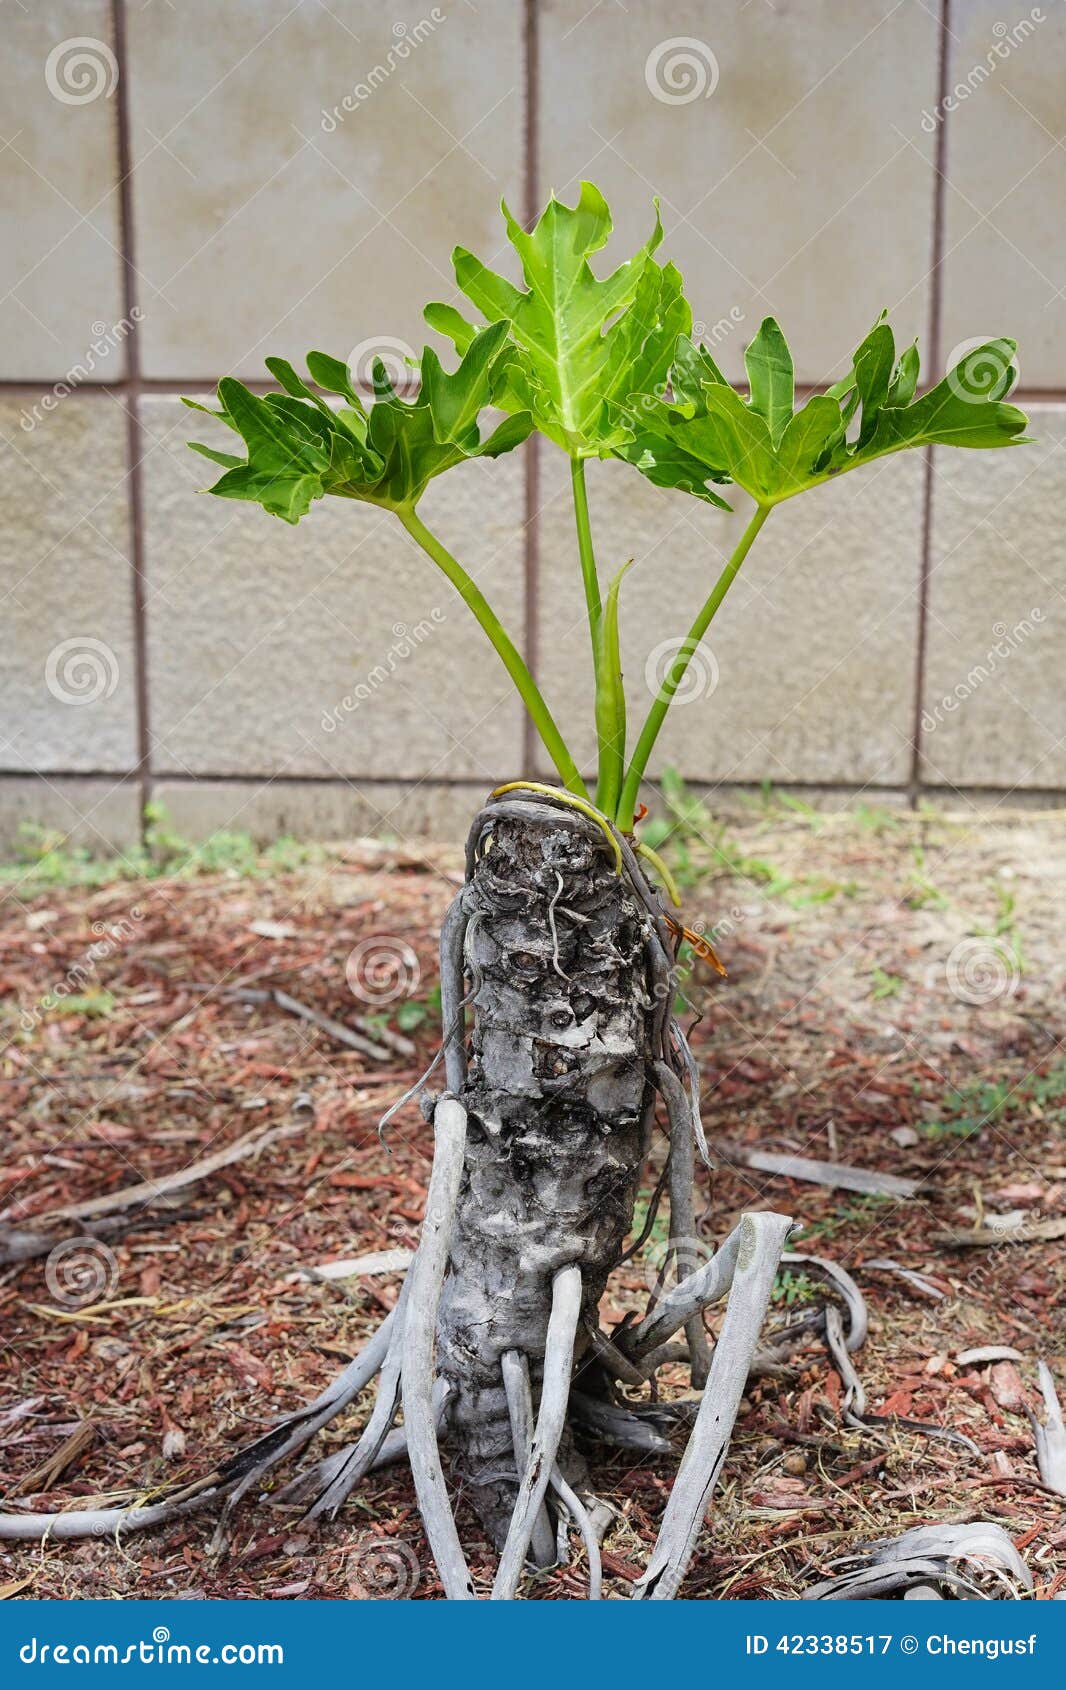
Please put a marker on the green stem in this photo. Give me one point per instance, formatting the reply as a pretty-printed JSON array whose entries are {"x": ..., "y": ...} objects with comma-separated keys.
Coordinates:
[
  {"x": 584, "y": 546},
  {"x": 506, "y": 649},
  {"x": 610, "y": 732},
  {"x": 649, "y": 733}
]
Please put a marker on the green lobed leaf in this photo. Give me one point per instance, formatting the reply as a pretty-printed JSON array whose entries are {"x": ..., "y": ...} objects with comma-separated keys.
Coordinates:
[
  {"x": 768, "y": 362},
  {"x": 300, "y": 448},
  {"x": 874, "y": 363},
  {"x": 584, "y": 345},
  {"x": 709, "y": 432}
]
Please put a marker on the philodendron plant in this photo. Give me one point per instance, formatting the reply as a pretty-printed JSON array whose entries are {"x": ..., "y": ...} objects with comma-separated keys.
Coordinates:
[{"x": 558, "y": 955}]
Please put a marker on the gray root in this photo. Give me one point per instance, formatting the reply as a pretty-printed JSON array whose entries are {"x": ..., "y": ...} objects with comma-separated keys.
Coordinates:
[
  {"x": 378, "y": 1426},
  {"x": 583, "y": 1520},
  {"x": 309, "y": 1485},
  {"x": 853, "y": 1297},
  {"x": 618, "y": 1426},
  {"x": 682, "y": 1301},
  {"x": 683, "y": 1207},
  {"x": 551, "y": 1418},
  {"x": 854, "y": 1400},
  {"x": 452, "y": 996},
  {"x": 425, "y": 1278},
  {"x": 1050, "y": 1437},
  {"x": 762, "y": 1237},
  {"x": 515, "y": 1369}
]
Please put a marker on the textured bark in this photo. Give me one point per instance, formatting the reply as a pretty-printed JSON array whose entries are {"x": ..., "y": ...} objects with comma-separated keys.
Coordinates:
[{"x": 559, "y": 1100}]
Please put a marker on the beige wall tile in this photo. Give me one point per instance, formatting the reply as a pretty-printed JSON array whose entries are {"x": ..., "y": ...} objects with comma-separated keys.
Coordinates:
[
  {"x": 806, "y": 674},
  {"x": 268, "y": 227},
  {"x": 332, "y": 810},
  {"x": 260, "y": 632},
  {"x": 60, "y": 272},
  {"x": 1005, "y": 238},
  {"x": 797, "y": 183},
  {"x": 994, "y": 698},
  {"x": 66, "y": 661},
  {"x": 101, "y": 815}
]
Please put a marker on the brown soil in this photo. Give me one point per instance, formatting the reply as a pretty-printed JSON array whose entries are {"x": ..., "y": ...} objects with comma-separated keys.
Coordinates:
[{"x": 856, "y": 946}]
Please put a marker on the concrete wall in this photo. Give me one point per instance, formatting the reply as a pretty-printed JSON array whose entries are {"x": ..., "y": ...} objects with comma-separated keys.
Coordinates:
[{"x": 194, "y": 186}]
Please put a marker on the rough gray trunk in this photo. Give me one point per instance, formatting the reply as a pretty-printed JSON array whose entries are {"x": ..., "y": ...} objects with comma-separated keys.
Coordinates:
[{"x": 560, "y": 1100}]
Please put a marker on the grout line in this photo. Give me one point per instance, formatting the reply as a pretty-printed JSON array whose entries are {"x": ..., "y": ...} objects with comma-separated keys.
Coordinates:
[
  {"x": 131, "y": 390},
  {"x": 699, "y": 783},
  {"x": 531, "y": 517},
  {"x": 33, "y": 387},
  {"x": 936, "y": 258}
]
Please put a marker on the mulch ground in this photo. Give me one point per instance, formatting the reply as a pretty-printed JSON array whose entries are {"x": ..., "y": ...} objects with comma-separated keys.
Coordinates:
[{"x": 893, "y": 1002}]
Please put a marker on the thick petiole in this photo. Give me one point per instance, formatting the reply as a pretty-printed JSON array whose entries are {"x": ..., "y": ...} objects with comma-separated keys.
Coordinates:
[{"x": 508, "y": 653}]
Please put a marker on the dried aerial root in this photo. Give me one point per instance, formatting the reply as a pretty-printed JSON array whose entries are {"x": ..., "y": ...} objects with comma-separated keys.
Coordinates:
[
  {"x": 975, "y": 1562},
  {"x": 515, "y": 1370},
  {"x": 1050, "y": 1436},
  {"x": 752, "y": 1265},
  {"x": 426, "y": 1278},
  {"x": 551, "y": 1418}
]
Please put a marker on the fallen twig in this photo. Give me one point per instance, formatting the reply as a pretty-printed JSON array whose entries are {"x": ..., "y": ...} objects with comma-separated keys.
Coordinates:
[
  {"x": 870, "y": 1181},
  {"x": 1026, "y": 1232},
  {"x": 26, "y": 1244},
  {"x": 336, "y": 1029},
  {"x": 917, "y": 1281}
]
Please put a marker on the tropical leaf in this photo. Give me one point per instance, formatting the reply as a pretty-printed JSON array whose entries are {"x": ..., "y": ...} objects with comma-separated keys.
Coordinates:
[
  {"x": 709, "y": 431},
  {"x": 768, "y": 362},
  {"x": 584, "y": 345},
  {"x": 300, "y": 448}
]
